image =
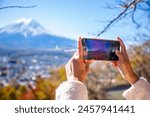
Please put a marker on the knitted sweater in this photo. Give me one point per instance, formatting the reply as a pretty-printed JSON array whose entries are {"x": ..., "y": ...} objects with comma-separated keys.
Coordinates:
[{"x": 76, "y": 90}]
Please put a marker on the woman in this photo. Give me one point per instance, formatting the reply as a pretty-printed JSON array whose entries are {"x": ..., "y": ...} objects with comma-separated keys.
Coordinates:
[{"x": 77, "y": 70}]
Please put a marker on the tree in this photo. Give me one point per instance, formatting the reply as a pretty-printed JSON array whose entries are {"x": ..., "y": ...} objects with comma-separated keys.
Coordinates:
[{"x": 130, "y": 7}]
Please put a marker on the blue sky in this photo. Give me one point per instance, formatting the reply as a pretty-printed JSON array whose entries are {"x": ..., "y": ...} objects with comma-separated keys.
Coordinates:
[{"x": 69, "y": 18}]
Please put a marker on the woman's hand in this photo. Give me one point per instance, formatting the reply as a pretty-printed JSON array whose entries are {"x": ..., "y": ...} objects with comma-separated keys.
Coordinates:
[
  {"x": 123, "y": 64},
  {"x": 77, "y": 68}
]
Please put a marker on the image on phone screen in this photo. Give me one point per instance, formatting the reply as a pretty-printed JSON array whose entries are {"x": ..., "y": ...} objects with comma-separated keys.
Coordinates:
[{"x": 100, "y": 49}]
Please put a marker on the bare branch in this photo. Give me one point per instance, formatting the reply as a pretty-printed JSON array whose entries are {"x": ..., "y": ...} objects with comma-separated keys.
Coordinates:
[
  {"x": 131, "y": 5},
  {"x": 111, "y": 22},
  {"x": 133, "y": 19},
  {"x": 24, "y": 7}
]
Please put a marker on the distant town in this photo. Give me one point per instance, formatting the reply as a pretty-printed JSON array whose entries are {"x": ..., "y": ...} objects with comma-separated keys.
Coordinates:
[{"x": 24, "y": 65}]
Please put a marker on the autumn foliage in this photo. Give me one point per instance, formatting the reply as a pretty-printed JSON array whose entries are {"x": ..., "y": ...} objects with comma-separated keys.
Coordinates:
[{"x": 43, "y": 89}]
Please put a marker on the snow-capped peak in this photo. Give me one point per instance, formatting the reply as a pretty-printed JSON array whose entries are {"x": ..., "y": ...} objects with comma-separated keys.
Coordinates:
[
  {"x": 27, "y": 27},
  {"x": 24, "y": 20}
]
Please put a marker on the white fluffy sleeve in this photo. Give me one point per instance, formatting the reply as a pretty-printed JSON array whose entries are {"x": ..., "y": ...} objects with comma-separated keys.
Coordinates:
[
  {"x": 71, "y": 90},
  {"x": 138, "y": 91}
]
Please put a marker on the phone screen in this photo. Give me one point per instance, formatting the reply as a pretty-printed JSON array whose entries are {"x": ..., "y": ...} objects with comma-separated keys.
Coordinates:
[{"x": 98, "y": 49}]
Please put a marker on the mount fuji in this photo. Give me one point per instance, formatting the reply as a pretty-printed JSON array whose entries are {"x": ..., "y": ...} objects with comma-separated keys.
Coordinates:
[{"x": 29, "y": 34}]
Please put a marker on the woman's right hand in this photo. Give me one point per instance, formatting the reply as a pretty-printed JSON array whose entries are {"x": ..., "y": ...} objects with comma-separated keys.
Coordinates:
[{"x": 123, "y": 64}]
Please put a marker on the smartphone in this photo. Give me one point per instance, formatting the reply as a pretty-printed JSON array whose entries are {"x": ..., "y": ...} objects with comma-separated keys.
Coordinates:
[{"x": 98, "y": 49}]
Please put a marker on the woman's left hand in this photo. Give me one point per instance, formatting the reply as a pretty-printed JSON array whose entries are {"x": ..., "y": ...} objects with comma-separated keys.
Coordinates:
[{"x": 77, "y": 68}]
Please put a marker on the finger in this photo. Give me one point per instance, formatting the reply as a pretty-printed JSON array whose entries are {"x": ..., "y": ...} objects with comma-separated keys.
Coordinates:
[
  {"x": 123, "y": 48},
  {"x": 114, "y": 64},
  {"x": 118, "y": 53},
  {"x": 80, "y": 48},
  {"x": 121, "y": 42}
]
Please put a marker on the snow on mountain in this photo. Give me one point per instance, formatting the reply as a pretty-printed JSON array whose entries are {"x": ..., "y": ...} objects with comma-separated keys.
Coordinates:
[
  {"x": 29, "y": 34},
  {"x": 27, "y": 27}
]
